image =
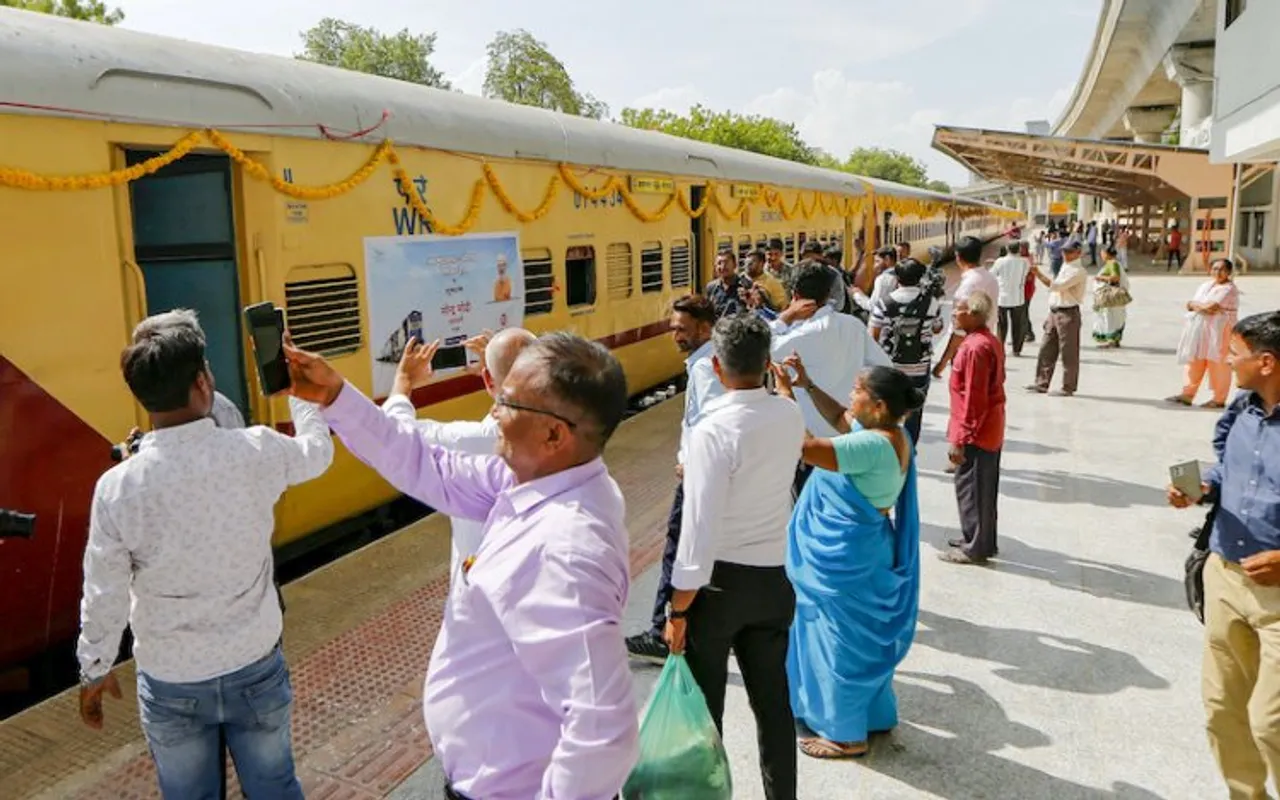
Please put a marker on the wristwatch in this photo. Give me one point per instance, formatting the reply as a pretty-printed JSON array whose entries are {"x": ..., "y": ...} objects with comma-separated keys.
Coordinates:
[{"x": 672, "y": 613}]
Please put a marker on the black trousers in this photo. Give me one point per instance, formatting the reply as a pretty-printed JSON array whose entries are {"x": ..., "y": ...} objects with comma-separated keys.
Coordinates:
[
  {"x": 803, "y": 471},
  {"x": 1013, "y": 320},
  {"x": 916, "y": 418},
  {"x": 750, "y": 610},
  {"x": 977, "y": 495},
  {"x": 663, "y": 597}
]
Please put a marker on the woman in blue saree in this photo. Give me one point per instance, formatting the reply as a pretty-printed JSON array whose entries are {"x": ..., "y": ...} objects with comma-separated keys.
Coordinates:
[{"x": 853, "y": 558}]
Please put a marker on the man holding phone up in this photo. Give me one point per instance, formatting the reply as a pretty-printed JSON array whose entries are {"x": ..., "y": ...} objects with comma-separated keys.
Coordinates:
[
  {"x": 1241, "y": 682},
  {"x": 180, "y": 549}
]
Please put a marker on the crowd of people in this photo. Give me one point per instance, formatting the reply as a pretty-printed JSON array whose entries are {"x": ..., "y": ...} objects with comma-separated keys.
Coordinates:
[{"x": 792, "y": 540}]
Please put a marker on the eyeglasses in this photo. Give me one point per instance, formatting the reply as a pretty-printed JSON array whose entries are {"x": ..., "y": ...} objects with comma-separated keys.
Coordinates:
[{"x": 505, "y": 402}]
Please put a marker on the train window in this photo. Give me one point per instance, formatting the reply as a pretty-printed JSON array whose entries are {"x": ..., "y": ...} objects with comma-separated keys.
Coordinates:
[
  {"x": 789, "y": 248},
  {"x": 619, "y": 276},
  {"x": 580, "y": 275},
  {"x": 539, "y": 282},
  {"x": 762, "y": 242},
  {"x": 680, "y": 264},
  {"x": 744, "y": 250},
  {"x": 724, "y": 243},
  {"x": 651, "y": 267},
  {"x": 322, "y": 304}
]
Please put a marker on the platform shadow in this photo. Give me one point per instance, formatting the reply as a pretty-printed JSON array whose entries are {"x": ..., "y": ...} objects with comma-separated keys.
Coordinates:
[
  {"x": 928, "y": 436},
  {"x": 1076, "y": 574},
  {"x": 1033, "y": 658},
  {"x": 1151, "y": 351},
  {"x": 948, "y": 743},
  {"x": 1056, "y": 486},
  {"x": 1148, "y": 402}
]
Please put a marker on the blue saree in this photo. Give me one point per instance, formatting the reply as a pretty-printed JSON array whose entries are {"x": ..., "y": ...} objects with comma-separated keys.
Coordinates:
[{"x": 856, "y": 575}]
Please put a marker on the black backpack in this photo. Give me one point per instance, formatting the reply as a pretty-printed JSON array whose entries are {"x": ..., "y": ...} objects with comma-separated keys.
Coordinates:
[{"x": 905, "y": 342}]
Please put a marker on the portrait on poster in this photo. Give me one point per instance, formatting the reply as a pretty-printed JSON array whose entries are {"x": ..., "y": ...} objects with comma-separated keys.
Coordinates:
[{"x": 439, "y": 287}]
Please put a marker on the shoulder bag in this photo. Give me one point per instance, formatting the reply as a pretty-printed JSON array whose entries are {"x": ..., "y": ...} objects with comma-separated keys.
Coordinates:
[{"x": 1193, "y": 580}]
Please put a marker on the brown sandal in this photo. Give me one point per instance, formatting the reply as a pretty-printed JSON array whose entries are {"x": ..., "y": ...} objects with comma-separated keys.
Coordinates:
[{"x": 826, "y": 749}]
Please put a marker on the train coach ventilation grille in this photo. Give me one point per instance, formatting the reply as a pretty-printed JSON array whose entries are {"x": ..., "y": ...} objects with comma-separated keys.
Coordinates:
[
  {"x": 324, "y": 314},
  {"x": 621, "y": 280},
  {"x": 539, "y": 282},
  {"x": 680, "y": 270},
  {"x": 650, "y": 267}
]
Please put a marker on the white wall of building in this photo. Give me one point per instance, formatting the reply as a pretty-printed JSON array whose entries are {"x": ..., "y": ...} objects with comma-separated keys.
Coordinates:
[{"x": 1246, "y": 124}]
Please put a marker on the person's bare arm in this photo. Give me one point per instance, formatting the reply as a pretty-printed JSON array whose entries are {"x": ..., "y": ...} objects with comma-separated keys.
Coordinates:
[{"x": 831, "y": 409}]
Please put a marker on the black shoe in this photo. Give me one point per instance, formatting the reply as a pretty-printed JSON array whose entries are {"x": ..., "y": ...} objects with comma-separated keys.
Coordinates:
[
  {"x": 956, "y": 543},
  {"x": 648, "y": 647}
]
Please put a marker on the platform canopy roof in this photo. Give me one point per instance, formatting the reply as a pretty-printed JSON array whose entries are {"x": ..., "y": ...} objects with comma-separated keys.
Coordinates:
[{"x": 1125, "y": 173}]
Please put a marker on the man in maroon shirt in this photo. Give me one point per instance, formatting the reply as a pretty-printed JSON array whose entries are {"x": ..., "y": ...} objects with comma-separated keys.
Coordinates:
[{"x": 976, "y": 430}]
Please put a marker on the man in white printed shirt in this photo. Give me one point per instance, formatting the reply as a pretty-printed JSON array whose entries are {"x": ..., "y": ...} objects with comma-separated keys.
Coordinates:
[
  {"x": 691, "y": 320},
  {"x": 180, "y": 549},
  {"x": 731, "y": 586},
  {"x": 834, "y": 347},
  {"x": 1011, "y": 272},
  {"x": 1062, "y": 328},
  {"x": 498, "y": 353}
]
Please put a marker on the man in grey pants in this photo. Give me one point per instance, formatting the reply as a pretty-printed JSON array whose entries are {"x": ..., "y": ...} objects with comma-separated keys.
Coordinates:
[{"x": 1062, "y": 328}]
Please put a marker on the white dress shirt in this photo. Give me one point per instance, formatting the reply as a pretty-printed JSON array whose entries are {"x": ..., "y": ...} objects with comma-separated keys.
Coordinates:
[
  {"x": 835, "y": 348},
  {"x": 225, "y": 413},
  {"x": 180, "y": 547},
  {"x": 703, "y": 385},
  {"x": 475, "y": 438},
  {"x": 737, "y": 485},
  {"x": 1011, "y": 273},
  {"x": 1067, "y": 289}
]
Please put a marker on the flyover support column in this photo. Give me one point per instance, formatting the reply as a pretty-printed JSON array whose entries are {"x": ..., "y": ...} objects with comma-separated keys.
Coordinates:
[{"x": 1192, "y": 69}]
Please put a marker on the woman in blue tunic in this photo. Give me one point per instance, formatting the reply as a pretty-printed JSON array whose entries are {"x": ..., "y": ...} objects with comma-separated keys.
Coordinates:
[{"x": 853, "y": 558}]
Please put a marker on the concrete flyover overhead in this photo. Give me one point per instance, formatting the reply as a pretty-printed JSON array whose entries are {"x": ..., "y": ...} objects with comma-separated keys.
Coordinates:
[{"x": 1147, "y": 88}]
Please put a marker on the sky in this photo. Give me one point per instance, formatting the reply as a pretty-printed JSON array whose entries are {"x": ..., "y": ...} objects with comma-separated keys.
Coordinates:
[{"x": 848, "y": 73}]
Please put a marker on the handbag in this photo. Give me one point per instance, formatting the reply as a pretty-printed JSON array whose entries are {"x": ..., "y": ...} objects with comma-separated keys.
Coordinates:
[
  {"x": 1108, "y": 296},
  {"x": 1193, "y": 580}
]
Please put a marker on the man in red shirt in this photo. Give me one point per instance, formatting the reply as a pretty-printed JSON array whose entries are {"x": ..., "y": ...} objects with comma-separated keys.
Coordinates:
[
  {"x": 976, "y": 430},
  {"x": 1175, "y": 248}
]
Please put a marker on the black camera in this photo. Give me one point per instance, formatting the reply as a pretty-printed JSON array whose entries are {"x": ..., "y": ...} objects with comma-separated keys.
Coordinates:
[
  {"x": 14, "y": 525},
  {"x": 935, "y": 256},
  {"x": 128, "y": 447}
]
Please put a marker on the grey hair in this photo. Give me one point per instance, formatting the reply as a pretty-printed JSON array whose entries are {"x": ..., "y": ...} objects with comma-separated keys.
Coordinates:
[
  {"x": 741, "y": 344},
  {"x": 503, "y": 349},
  {"x": 164, "y": 360},
  {"x": 980, "y": 303},
  {"x": 584, "y": 376}
]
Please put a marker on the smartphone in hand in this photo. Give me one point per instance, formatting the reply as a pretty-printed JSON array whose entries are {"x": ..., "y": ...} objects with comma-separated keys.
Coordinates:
[
  {"x": 266, "y": 333},
  {"x": 1186, "y": 479}
]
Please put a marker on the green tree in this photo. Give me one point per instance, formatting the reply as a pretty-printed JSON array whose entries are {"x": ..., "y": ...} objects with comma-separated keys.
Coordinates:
[
  {"x": 522, "y": 70},
  {"x": 87, "y": 10},
  {"x": 938, "y": 186},
  {"x": 887, "y": 165},
  {"x": 403, "y": 56},
  {"x": 764, "y": 135}
]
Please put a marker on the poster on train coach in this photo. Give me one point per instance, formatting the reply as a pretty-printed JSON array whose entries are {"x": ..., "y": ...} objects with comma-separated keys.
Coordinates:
[{"x": 439, "y": 287}]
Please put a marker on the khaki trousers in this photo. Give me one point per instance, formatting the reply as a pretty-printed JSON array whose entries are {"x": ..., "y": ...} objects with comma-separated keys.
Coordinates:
[
  {"x": 1241, "y": 681},
  {"x": 1061, "y": 335}
]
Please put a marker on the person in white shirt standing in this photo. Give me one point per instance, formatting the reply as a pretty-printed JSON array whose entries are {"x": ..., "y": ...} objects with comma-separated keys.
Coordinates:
[
  {"x": 731, "y": 587},
  {"x": 1062, "y": 328},
  {"x": 180, "y": 549},
  {"x": 692, "y": 318},
  {"x": 973, "y": 278},
  {"x": 835, "y": 347},
  {"x": 498, "y": 352},
  {"x": 1011, "y": 272}
]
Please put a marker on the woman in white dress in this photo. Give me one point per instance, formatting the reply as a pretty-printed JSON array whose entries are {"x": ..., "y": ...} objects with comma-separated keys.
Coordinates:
[
  {"x": 1108, "y": 323},
  {"x": 1211, "y": 315}
]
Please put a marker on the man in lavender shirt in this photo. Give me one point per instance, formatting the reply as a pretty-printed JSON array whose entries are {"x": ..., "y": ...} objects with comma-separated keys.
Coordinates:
[{"x": 528, "y": 694}]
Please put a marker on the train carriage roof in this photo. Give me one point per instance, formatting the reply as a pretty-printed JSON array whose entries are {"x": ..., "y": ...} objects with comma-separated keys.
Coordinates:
[{"x": 69, "y": 68}]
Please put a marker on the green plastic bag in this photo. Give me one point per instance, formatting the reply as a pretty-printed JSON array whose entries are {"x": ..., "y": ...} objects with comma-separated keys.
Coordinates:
[{"x": 681, "y": 755}]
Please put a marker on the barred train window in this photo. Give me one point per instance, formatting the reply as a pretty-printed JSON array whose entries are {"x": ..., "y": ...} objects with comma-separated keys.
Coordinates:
[
  {"x": 322, "y": 304},
  {"x": 620, "y": 279},
  {"x": 580, "y": 275},
  {"x": 539, "y": 283},
  {"x": 680, "y": 263},
  {"x": 650, "y": 267},
  {"x": 744, "y": 249},
  {"x": 724, "y": 243},
  {"x": 789, "y": 247}
]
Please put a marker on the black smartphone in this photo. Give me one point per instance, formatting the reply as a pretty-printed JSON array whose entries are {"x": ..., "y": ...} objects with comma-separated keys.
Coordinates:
[
  {"x": 449, "y": 358},
  {"x": 266, "y": 331}
]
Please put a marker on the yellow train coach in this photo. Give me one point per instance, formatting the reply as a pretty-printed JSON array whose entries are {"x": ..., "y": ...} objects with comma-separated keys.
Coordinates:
[{"x": 140, "y": 174}]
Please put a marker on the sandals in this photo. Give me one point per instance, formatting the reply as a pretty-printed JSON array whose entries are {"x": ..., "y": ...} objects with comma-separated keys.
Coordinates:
[
  {"x": 1213, "y": 404},
  {"x": 820, "y": 748},
  {"x": 1178, "y": 399}
]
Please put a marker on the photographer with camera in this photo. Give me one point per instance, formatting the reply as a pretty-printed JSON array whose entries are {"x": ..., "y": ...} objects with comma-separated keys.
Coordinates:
[{"x": 180, "y": 549}]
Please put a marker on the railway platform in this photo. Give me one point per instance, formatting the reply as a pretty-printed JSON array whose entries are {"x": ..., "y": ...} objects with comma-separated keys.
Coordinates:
[{"x": 1067, "y": 668}]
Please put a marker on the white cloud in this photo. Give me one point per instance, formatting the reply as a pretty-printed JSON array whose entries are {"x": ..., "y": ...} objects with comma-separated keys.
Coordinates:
[
  {"x": 672, "y": 98},
  {"x": 470, "y": 79}
]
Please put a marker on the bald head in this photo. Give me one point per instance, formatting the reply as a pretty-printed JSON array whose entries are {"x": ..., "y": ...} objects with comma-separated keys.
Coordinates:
[{"x": 502, "y": 350}]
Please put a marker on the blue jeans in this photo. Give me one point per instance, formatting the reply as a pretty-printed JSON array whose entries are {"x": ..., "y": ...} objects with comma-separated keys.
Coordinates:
[{"x": 185, "y": 723}]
